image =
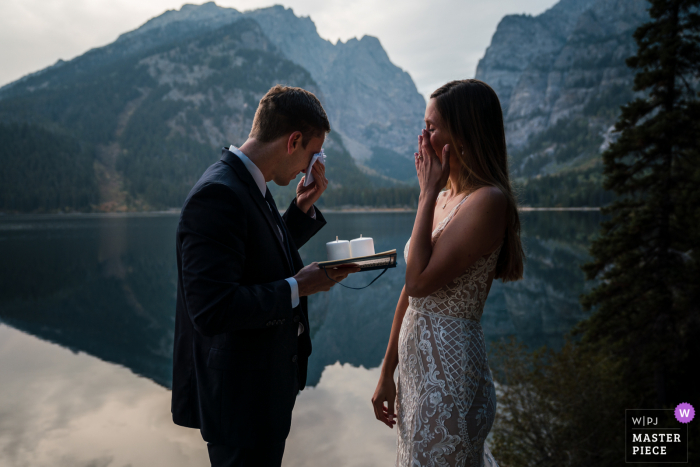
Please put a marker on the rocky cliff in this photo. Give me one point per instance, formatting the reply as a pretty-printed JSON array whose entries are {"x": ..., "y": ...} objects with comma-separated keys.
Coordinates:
[
  {"x": 370, "y": 101},
  {"x": 549, "y": 67},
  {"x": 522, "y": 41},
  {"x": 561, "y": 78}
]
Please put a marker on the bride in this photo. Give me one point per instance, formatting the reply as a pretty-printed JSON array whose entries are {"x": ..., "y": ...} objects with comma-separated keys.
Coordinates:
[{"x": 463, "y": 238}]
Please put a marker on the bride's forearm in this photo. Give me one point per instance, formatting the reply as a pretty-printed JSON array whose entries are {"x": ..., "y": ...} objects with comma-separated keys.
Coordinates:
[
  {"x": 391, "y": 358},
  {"x": 421, "y": 245}
]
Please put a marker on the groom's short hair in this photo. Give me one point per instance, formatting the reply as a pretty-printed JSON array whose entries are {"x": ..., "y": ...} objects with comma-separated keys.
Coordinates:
[{"x": 285, "y": 109}]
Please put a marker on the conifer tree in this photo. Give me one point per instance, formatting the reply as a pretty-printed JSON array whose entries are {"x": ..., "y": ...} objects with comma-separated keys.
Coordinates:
[{"x": 647, "y": 258}]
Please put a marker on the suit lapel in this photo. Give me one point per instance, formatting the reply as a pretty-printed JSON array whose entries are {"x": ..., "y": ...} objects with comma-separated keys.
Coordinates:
[{"x": 237, "y": 165}]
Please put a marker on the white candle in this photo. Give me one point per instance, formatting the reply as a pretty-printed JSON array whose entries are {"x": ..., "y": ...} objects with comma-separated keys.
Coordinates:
[
  {"x": 363, "y": 246},
  {"x": 339, "y": 249}
]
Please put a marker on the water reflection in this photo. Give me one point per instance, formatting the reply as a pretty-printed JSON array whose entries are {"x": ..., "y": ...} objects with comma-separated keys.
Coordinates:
[
  {"x": 103, "y": 289},
  {"x": 105, "y": 285},
  {"x": 353, "y": 326},
  {"x": 71, "y": 409},
  {"x": 102, "y": 285}
]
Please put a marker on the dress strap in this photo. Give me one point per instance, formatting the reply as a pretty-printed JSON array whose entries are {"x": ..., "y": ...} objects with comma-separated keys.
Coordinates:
[
  {"x": 437, "y": 200},
  {"x": 452, "y": 213},
  {"x": 456, "y": 208}
]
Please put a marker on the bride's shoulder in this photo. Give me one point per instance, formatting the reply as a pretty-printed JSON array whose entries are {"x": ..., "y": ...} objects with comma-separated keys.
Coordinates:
[
  {"x": 488, "y": 197},
  {"x": 485, "y": 211},
  {"x": 485, "y": 206}
]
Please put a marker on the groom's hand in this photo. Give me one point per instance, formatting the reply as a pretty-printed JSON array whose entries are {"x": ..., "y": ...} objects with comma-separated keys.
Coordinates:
[
  {"x": 313, "y": 279},
  {"x": 308, "y": 195}
]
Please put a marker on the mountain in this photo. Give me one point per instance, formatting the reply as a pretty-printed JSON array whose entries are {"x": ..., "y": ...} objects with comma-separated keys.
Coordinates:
[
  {"x": 367, "y": 97},
  {"x": 148, "y": 113},
  {"x": 155, "y": 118},
  {"x": 561, "y": 78},
  {"x": 134, "y": 123}
]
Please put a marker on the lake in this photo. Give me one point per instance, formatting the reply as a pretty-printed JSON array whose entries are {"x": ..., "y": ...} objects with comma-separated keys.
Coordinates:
[{"x": 86, "y": 327}]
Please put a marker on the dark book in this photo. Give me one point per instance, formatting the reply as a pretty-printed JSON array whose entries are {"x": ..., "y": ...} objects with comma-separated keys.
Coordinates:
[{"x": 384, "y": 260}]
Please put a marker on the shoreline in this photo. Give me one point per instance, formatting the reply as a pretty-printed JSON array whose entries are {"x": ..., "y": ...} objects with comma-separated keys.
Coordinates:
[
  {"x": 583, "y": 208},
  {"x": 172, "y": 212},
  {"x": 521, "y": 208}
]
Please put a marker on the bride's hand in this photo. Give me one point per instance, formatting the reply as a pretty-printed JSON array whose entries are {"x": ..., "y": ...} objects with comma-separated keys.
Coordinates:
[
  {"x": 433, "y": 172},
  {"x": 385, "y": 392}
]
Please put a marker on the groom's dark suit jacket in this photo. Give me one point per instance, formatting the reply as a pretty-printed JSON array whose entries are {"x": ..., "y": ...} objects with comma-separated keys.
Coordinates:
[{"x": 238, "y": 362}]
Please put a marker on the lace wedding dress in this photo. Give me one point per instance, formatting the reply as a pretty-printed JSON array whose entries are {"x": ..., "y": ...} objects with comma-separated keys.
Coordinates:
[{"x": 446, "y": 399}]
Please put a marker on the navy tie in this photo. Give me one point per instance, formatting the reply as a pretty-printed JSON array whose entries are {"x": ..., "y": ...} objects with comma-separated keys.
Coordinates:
[{"x": 280, "y": 226}]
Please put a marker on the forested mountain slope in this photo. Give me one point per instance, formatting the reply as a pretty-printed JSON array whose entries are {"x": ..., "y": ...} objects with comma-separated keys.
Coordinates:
[
  {"x": 148, "y": 113},
  {"x": 153, "y": 120}
]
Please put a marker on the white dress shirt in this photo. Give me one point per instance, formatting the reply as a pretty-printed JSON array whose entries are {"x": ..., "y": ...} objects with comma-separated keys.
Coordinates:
[{"x": 262, "y": 186}]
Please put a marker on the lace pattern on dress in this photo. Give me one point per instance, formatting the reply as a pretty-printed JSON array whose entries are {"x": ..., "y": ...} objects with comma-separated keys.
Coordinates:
[
  {"x": 446, "y": 398},
  {"x": 465, "y": 296}
]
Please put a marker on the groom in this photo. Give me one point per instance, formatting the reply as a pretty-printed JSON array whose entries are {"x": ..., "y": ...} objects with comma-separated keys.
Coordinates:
[{"x": 242, "y": 328}]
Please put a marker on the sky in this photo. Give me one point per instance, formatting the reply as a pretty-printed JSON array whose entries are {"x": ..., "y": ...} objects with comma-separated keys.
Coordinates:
[{"x": 434, "y": 41}]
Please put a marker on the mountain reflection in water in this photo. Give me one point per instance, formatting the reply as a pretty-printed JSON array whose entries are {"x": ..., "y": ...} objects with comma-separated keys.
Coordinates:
[
  {"x": 103, "y": 289},
  {"x": 65, "y": 409},
  {"x": 105, "y": 285}
]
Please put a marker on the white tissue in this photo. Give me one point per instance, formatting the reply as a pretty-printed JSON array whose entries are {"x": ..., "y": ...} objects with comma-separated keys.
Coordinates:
[{"x": 321, "y": 157}]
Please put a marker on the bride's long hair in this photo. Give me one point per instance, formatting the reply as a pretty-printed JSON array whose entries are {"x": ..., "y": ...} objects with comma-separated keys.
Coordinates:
[{"x": 473, "y": 115}]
